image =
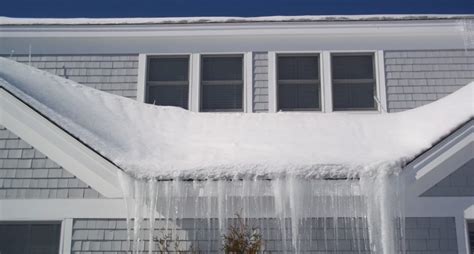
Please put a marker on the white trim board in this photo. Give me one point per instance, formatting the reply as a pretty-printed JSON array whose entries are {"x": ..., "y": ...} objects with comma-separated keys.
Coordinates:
[
  {"x": 59, "y": 209},
  {"x": 385, "y": 28},
  {"x": 59, "y": 146},
  {"x": 406, "y": 35},
  {"x": 440, "y": 161}
]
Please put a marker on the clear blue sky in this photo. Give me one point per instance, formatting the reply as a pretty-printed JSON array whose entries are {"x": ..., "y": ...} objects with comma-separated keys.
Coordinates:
[{"x": 246, "y": 8}]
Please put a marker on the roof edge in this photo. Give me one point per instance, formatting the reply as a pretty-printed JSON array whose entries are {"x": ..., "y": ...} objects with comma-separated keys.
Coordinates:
[{"x": 10, "y": 21}]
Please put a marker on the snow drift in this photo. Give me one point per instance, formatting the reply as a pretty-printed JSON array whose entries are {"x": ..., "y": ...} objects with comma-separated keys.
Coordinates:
[{"x": 167, "y": 142}]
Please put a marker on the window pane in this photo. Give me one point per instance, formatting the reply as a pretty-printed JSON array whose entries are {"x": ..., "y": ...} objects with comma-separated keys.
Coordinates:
[
  {"x": 298, "y": 82},
  {"x": 471, "y": 235},
  {"x": 352, "y": 67},
  {"x": 22, "y": 238},
  {"x": 221, "y": 97},
  {"x": 298, "y": 96},
  {"x": 168, "y": 82},
  {"x": 353, "y": 96},
  {"x": 353, "y": 82},
  {"x": 221, "y": 83},
  {"x": 298, "y": 67},
  {"x": 221, "y": 68},
  {"x": 168, "y": 69},
  {"x": 169, "y": 95}
]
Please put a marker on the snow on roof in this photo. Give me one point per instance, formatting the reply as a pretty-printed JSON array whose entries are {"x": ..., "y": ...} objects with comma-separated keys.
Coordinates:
[
  {"x": 168, "y": 142},
  {"x": 201, "y": 20}
]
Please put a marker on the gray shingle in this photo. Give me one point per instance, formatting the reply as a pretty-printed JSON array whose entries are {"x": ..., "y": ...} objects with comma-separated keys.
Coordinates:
[{"x": 430, "y": 74}]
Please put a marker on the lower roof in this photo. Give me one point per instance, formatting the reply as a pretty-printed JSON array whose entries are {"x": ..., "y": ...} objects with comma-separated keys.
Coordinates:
[{"x": 168, "y": 142}]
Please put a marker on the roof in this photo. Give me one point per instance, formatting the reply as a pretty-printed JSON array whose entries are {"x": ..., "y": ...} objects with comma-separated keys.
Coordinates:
[
  {"x": 167, "y": 142},
  {"x": 204, "y": 20}
]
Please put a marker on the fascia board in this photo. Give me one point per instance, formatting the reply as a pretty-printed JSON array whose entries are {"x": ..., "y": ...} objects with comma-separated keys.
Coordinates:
[
  {"x": 59, "y": 146},
  {"x": 373, "y": 28}
]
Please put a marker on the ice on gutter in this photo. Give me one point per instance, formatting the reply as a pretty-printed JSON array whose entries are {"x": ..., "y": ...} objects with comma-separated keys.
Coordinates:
[
  {"x": 168, "y": 142},
  {"x": 200, "y": 20}
]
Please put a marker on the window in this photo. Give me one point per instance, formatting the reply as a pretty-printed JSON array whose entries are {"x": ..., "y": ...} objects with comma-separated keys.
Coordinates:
[
  {"x": 353, "y": 81},
  {"x": 298, "y": 82},
  {"x": 222, "y": 83},
  {"x": 470, "y": 228},
  {"x": 168, "y": 81},
  {"x": 28, "y": 238}
]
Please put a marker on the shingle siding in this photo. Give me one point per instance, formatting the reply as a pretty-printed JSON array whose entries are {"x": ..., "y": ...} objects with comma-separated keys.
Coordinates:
[
  {"x": 431, "y": 235},
  {"x": 115, "y": 74},
  {"x": 27, "y": 173},
  {"x": 423, "y": 236},
  {"x": 415, "y": 78},
  {"x": 260, "y": 81},
  {"x": 200, "y": 235},
  {"x": 458, "y": 183}
]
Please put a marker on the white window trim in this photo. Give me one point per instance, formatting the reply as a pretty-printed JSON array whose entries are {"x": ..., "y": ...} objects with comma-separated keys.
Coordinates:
[
  {"x": 142, "y": 75},
  {"x": 141, "y": 79},
  {"x": 65, "y": 240},
  {"x": 272, "y": 78},
  {"x": 195, "y": 77},
  {"x": 326, "y": 80}
]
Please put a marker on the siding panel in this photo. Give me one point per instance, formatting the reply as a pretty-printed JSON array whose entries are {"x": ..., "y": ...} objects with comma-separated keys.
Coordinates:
[
  {"x": 116, "y": 74},
  {"x": 27, "y": 173},
  {"x": 459, "y": 183},
  {"x": 423, "y": 236},
  {"x": 415, "y": 78},
  {"x": 260, "y": 81}
]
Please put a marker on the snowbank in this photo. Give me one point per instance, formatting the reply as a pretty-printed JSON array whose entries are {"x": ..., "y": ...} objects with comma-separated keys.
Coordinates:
[
  {"x": 168, "y": 142},
  {"x": 188, "y": 20}
]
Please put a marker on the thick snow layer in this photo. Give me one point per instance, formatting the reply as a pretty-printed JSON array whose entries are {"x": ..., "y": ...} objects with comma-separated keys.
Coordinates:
[
  {"x": 147, "y": 140},
  {"x": 186, "y": 20}
]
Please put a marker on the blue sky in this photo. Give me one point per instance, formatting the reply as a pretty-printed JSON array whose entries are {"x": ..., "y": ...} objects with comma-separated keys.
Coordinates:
[{"x": 246, "y": 8}]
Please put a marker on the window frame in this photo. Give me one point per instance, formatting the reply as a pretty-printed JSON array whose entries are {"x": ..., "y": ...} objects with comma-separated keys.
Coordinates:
[
  {"x": 355, "y": 81},
  {"x": 194, "y": 77},
  {"x": 319, "y": 81},
  {"x": 326, "y": 80},
  {"x": 60, "y": 223},
  {"x": 230, "y": 82},
  {"x": 147, "y": 70}
]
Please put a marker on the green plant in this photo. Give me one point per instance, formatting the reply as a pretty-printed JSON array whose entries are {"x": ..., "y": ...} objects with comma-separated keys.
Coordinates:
[
  {"x": 163, "y": 245},
  {"x": 242, "y": 239}
]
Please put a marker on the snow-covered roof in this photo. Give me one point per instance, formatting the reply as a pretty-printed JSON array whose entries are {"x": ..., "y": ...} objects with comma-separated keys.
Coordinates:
[
  {"x": 203, "y": 20},
  {"x": 168, "y": 142}
]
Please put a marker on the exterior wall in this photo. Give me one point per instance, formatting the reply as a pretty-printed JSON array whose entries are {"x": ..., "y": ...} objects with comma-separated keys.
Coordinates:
[
  {"x": 435, "y": 235},
  {"x": 27, "y": 173},
  {"x": 115, "y": 74},
  {"x": 423, "y": 236},
  {"x": 260, "y": 81},
  {"x": 415, "y": 78},
  {"x": 459, "y": 183},
  {"x": 200, "y": 236}
]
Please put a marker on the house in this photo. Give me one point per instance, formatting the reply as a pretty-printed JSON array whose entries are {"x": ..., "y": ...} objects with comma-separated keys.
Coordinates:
[{"x": 381, "y": 160}]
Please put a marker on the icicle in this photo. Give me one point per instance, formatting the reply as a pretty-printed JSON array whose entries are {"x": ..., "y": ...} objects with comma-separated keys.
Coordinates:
[
  {"x": 280, "y": 209},
  {"x": 152, "y": 189},
  {"x": 128, "y": 186},
  {"x": 380, "y": 192}
]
